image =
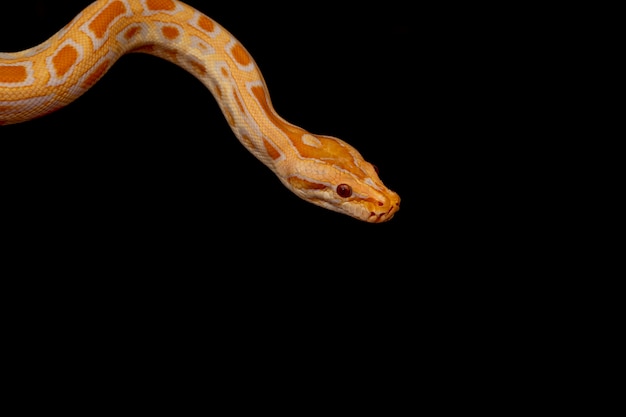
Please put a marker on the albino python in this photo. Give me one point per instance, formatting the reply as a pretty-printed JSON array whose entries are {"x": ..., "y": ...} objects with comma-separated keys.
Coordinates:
[{"x": 323, "y": 170}]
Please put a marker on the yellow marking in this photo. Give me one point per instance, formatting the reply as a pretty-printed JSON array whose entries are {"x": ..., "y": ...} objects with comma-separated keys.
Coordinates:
[
  {"x": 13, "y": 74},
  {"x": 101, "y": 23}
]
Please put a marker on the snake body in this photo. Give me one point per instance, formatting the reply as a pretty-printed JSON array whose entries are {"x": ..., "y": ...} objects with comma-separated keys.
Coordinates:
[{"x": 323, "y": 170}]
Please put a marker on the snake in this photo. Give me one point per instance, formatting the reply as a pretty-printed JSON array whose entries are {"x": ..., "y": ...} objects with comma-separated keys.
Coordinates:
[{"x": 323, "y": 170}]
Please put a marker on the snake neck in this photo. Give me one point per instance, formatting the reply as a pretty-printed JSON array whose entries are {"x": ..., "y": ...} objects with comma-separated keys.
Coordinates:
[{"x": 57, "y": 72}]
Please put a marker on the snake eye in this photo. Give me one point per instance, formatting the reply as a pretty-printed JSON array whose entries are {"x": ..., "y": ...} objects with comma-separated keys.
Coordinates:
[
  {"x": 375, "y": 168},
  {"x": 344, "y": 190}
]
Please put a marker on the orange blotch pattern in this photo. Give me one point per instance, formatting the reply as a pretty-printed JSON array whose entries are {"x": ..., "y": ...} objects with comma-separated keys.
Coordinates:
[
  {"x": 156, "y": 5},
  {"x": 131, "y": 33},
  {"x": 229, "y": 118},
  {"x": 246, "y": 139},
  {"x": 218, "y": 91},
  {"x": 64, "y": 60},
  {"x": 170, "y": 54},
  {"x": 294, "y": 133},
  {"x": 198, "y": 67},
  {"x": 167, "y": 53},
  {"x": 330, "y": 149},
  {"x": 170, "y": 32},
  {"x": 300, "y": 183},
  {"x": 241, "y": 55},
  {"x": 96, "y": 74},
  {"x": 101, "y": 23},
  {"x": 12, "y": 74},
  {"x": 271, "y": 151},
  {"x": 239, "y": 103},
  {"x": 206, "y": 24}
]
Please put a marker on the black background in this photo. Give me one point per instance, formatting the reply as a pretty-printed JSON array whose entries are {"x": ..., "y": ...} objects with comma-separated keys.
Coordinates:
[
  {"x": 146, "y": 155},
  {"x": 138, "y": 199},
  {"x": 144, "y": 166},
  {"x": 140, "y": 236},
  {"x": 148, "y": 213},
  {"x": 143, "y": 174}
]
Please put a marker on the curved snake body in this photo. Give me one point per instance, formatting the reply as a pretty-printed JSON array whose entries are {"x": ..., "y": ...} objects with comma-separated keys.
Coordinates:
[{"x": 320, "y": 169}]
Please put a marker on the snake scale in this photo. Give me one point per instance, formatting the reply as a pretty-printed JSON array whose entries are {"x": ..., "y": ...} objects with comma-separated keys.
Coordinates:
[{"x": 320, "y": 169}]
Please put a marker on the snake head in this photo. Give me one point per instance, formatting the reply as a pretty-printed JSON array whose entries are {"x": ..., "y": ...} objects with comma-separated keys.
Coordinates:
[{"x": 338, "y": 178}]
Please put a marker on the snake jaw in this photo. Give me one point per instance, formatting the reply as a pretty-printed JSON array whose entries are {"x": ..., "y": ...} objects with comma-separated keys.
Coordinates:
[
  {"x": 387, "y": 210},
  {"x": 383, "y": 216}
]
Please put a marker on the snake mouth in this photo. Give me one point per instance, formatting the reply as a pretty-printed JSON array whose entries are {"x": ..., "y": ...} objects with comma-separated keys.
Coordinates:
[{"x": 384, "y": 216}]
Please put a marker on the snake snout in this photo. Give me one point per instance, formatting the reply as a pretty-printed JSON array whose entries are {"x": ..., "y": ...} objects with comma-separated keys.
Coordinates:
[{"x": 385, "y": 215}]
